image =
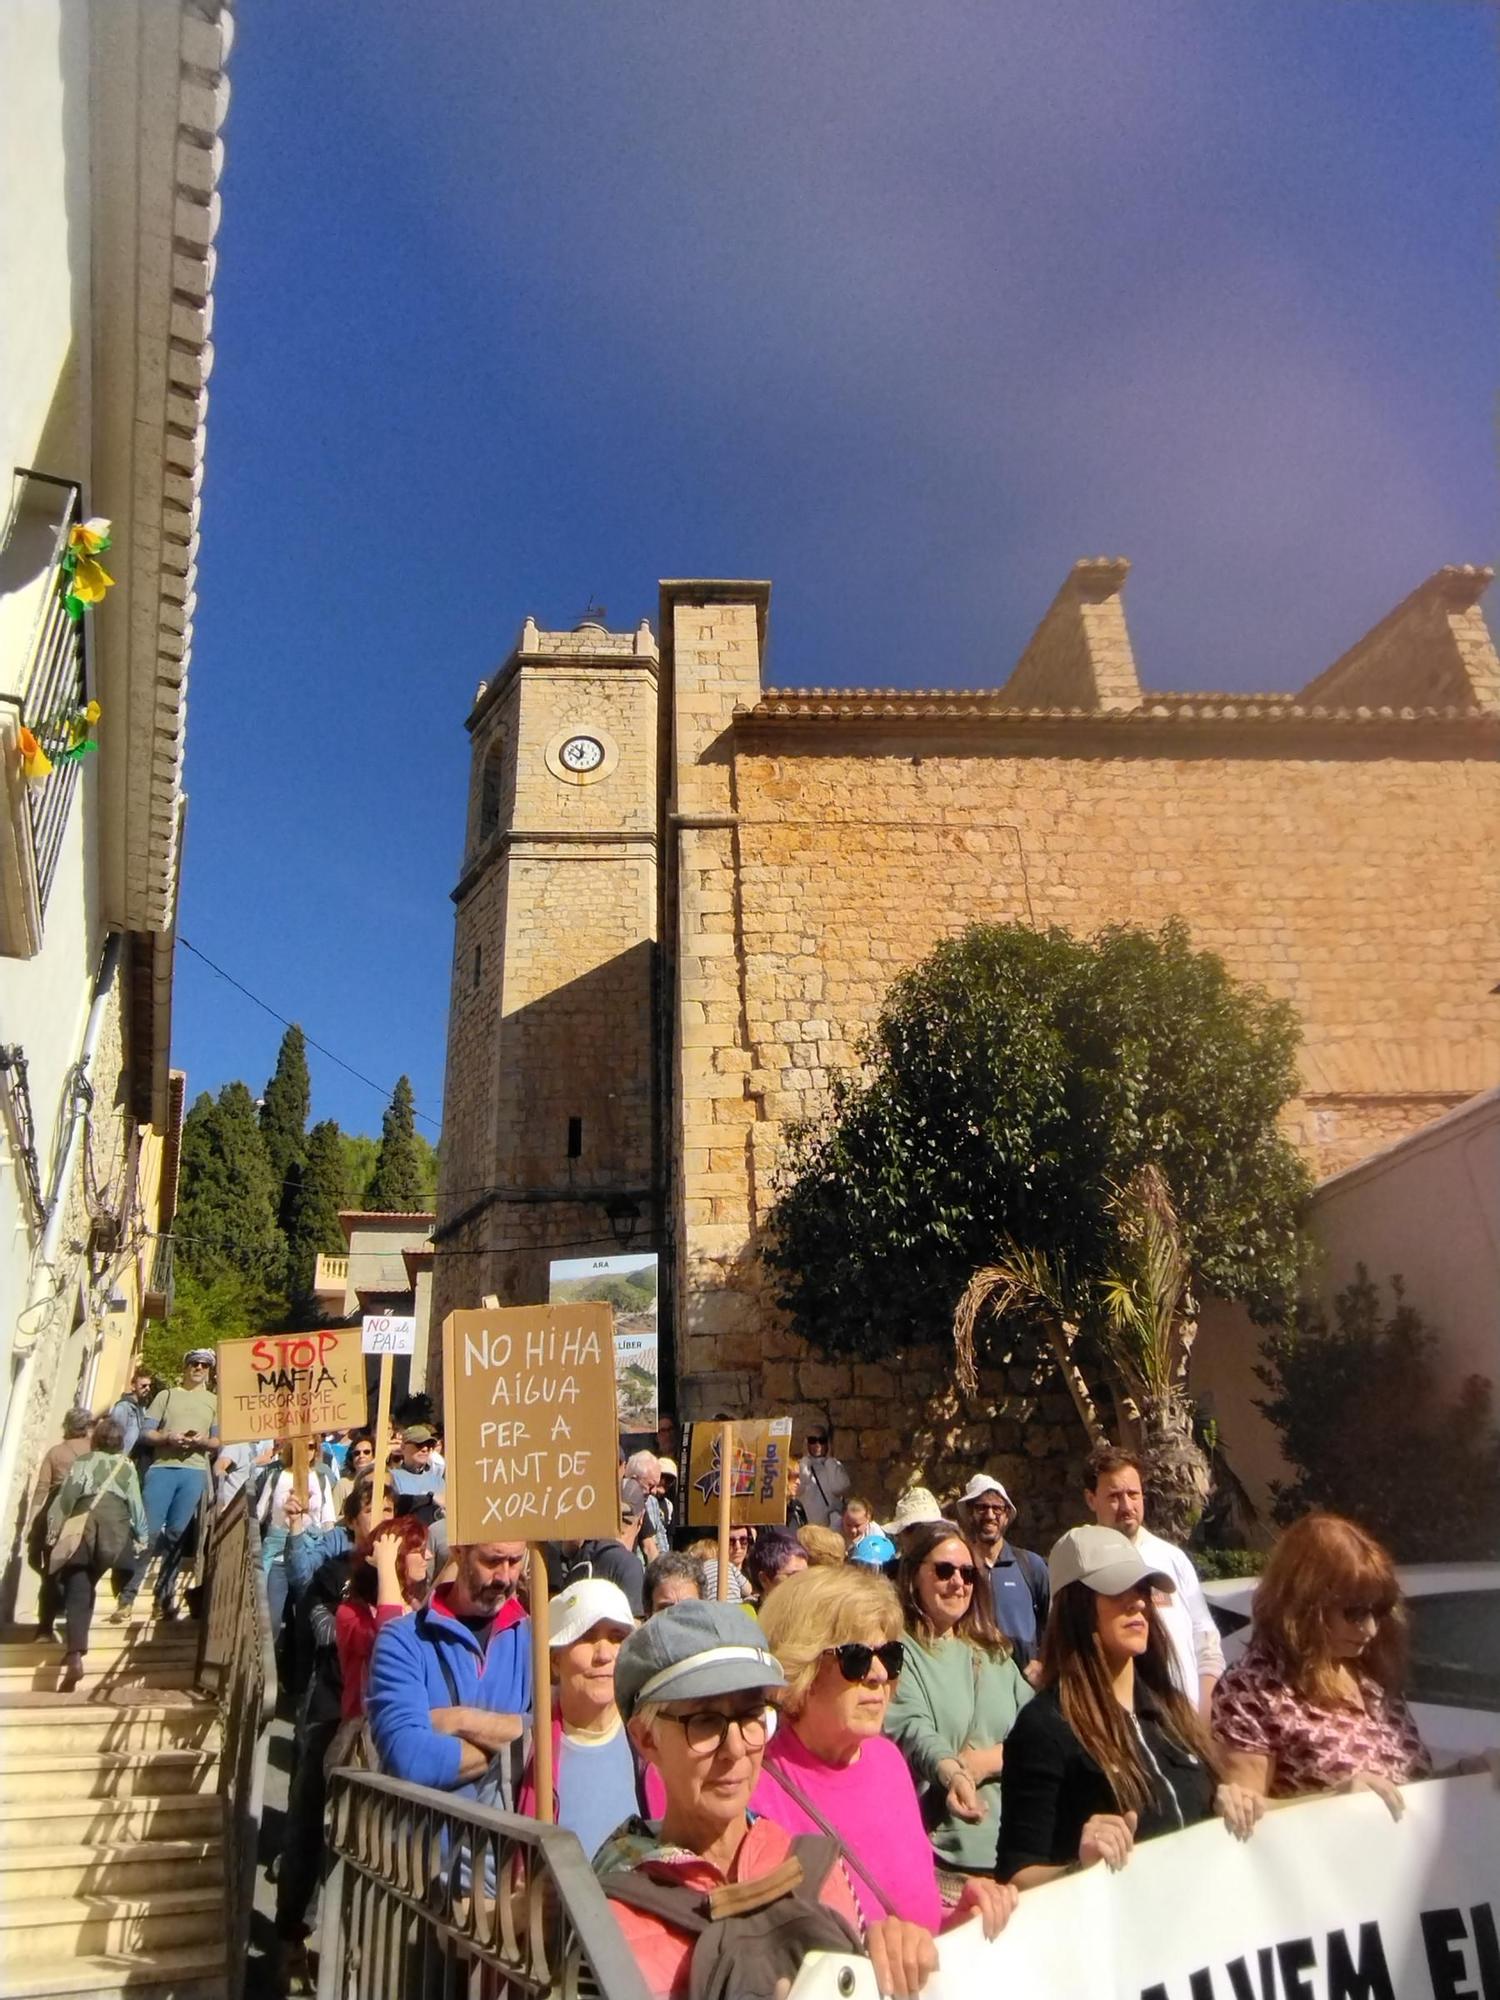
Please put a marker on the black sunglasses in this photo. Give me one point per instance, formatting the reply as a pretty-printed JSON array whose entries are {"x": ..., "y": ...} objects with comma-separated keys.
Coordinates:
[
  {"x": 946, "y": 1571},
  {"x": 854, "y": 1659}
]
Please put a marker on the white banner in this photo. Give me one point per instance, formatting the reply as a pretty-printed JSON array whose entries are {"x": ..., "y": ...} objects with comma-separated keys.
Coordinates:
[
  {"x": 1330, "y": 1900},
  {"x": 388, "y": 1333}
]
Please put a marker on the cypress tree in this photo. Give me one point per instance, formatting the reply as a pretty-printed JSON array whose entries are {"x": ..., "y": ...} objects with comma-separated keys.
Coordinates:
[
  {"x": 283, "y": 1115},
  {"x": 226, "y": 1212},
  {"x": 397, "y": 1182},
  {"x": 317, "y": 1191}
]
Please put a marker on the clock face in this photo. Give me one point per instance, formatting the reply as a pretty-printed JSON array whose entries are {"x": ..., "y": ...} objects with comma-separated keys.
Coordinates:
[{"x": 581, "y": 753}]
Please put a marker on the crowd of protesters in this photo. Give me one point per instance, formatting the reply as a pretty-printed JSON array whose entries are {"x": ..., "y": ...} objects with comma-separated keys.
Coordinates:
[{"x": 930, "y": 1719}]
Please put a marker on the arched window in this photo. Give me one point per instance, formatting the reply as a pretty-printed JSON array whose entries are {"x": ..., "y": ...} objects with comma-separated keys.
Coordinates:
[{"x": 490, "y": 790}]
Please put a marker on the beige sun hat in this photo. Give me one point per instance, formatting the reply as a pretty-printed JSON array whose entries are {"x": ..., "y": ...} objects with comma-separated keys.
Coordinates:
[{"x": 917, "y": 1506}]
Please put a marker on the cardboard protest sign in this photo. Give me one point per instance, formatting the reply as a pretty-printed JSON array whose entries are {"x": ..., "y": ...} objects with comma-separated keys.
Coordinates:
[
  {"x": 629, "y": 1283},
  {"x": 529, "y": 1430},
  {"x": 388, "y": 1333},
  {"x": 1330, "y": 1897},
  {"x": 291, "y": 1384},
  {"x": 762, "y": 1446}
]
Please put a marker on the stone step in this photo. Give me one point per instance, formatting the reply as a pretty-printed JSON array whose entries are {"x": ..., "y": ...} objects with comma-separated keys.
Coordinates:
[
  {"x": 49, "y": 1928},
  {"x": 38, "y": 1672},
  {"x": 180, "y": 1636},
  {"x": 105, "y": 1774},
  {"x": 195, "y": 1973},
  {"x": 138, "y": 1869},
  {"x": 33, "y": 1724},
  {"x": 105, "y": 1822}
]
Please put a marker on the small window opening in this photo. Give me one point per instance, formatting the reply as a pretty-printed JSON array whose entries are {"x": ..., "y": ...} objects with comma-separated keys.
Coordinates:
[
  {"x": 478, "y": 961},
  {"x": 575, "y": 1138}
]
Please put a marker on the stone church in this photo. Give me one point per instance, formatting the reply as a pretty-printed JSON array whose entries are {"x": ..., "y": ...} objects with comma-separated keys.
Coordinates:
[{"x": 684, "y": 894}]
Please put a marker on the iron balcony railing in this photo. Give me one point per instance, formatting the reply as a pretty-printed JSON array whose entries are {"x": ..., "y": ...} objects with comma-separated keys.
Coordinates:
[
  {"x": 237, "y": 1664},
  {"x": 446, "y": 1899},
  {"x": 54, "y": 681}
]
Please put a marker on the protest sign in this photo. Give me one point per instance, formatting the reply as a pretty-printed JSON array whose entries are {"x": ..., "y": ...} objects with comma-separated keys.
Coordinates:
[
  {"x": 629, "y": 1284},
  {"x": 529, "y": 1402},
  {"x": 388, "y": 1333},
  {"x": 762, "y": 1447},
  {"x": 290, "y": 1384},
  {"x": 1331, "y": 1899}
]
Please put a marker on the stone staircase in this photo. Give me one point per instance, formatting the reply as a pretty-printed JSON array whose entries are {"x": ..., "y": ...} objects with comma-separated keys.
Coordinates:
[{"x": 112, "y": 1860}]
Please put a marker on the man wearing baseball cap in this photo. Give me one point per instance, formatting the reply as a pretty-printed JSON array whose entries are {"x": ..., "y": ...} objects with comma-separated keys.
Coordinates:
[
  {"x": 694, "y": 1685},
  {"x": 1017, "y": 1577}
]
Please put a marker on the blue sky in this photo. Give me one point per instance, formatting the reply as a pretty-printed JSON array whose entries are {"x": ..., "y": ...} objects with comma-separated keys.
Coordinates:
[{"x": 904, "y": 307}]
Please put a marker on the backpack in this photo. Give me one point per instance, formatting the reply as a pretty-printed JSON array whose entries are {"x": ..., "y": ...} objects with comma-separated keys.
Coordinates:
[{"x": 748, "y": 1935}]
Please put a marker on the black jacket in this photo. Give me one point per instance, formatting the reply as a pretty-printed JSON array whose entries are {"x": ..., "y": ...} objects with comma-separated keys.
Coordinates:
[
  {"x": 613, "y": 1560},
  {"x": 1050, "y": 1785}
]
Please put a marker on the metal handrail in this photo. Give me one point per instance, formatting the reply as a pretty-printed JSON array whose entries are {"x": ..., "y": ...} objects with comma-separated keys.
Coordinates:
[
  {"x": 237, "y": 1664},
  {"x": 435, "y": 1895}
]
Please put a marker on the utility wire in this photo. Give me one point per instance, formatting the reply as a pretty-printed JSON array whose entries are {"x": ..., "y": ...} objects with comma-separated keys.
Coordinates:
[{"x": 266, "y": 1007}]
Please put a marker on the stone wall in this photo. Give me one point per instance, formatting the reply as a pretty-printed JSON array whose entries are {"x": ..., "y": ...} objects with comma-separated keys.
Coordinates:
[{"x": 1349, "y": 863}]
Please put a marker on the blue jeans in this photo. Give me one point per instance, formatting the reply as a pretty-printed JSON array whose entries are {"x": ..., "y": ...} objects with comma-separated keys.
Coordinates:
[{"x": 171, "y": 1494}]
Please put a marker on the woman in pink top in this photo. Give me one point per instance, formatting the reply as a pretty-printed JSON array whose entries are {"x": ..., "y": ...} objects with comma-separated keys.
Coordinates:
[{"x": 830, "y": 1767}]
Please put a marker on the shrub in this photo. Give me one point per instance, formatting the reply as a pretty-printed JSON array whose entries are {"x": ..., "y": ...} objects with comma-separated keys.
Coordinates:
[{"x": 1370, "y": 1434}]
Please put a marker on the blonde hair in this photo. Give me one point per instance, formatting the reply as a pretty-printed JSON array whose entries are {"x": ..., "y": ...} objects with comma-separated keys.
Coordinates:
[
  {"x": 824, "y": 1547},
  {"x": 820, "y": 1608}
]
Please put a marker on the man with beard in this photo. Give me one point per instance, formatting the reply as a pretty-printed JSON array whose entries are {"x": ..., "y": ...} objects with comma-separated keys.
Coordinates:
[{"x": 449, "y": 1693}]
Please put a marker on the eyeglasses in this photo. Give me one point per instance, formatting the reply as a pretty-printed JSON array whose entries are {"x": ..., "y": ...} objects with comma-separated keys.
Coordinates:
[
  {"x": 739, "y": 1539},
  {"x": 1358, "y": 1613},
  {"x": 855, "y": 1660},
  {"x": 705, "y": 1729},
  {"x": 989, "y": 1507},
  {"x": 946, "y": 1571}
]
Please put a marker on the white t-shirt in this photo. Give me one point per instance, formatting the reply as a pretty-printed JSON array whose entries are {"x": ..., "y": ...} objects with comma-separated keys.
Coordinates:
[
  {"x": 321, "y": 1512},
  {"x": 1185, "y": 1616}
]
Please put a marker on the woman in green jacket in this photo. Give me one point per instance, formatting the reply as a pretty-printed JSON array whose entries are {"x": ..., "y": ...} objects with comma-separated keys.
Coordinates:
[
  {"x": 101, "y": 1497},
  {"x": 956, "y": 1699}
]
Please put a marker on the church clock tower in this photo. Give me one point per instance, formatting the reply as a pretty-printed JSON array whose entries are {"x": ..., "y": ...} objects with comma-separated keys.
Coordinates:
[{"x": 549, "y": 1132}]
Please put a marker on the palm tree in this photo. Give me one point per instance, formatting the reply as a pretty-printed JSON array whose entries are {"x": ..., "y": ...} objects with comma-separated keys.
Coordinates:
[{"x": 1140, "y": 1317}]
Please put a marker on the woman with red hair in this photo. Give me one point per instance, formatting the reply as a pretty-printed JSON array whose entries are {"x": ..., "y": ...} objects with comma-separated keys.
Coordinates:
[
  {"x": 1315, "y": 1703},
  {"x": 388, "y": 1578}
]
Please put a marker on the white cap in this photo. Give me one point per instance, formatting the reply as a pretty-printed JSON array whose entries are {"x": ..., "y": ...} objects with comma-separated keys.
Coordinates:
[
  {"x": 592, "y": 1601},
  {"x": 983, "y": 1483},
  {"x": 1105, "y": 1560}
]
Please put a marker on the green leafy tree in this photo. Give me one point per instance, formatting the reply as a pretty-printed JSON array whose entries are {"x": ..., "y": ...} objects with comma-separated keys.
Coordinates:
[
  {"x": 360, "y": 1155},
  {"x": 283, "y": 1114},
  {"x": 1076, "y": 1137},
  {"x": 1370, "y": 1432},
  {"x": 204, "y": 1312},
  {"x": 313, "y": 1214},
  {"x": 396, "y": 1184},
  {"x": 227, "y": 1206}
]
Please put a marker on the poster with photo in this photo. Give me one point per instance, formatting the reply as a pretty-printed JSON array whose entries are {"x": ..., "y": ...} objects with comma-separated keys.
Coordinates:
[{"x": 628, "y": 1283}]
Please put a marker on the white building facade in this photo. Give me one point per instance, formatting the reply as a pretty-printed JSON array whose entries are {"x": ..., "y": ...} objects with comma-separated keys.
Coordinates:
[{"x": 110, "y": 158}]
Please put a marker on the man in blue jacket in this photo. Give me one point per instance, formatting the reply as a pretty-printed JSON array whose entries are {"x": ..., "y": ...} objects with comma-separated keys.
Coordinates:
[{"x": 450, "y": 1686}]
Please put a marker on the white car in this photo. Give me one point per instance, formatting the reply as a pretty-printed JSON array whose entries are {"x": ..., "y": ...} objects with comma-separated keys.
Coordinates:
[{"x": 1453, "y": 1682}]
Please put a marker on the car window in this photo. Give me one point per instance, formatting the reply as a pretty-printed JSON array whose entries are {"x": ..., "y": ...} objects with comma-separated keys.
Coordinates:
[{"x": 1455, "y": 1649}]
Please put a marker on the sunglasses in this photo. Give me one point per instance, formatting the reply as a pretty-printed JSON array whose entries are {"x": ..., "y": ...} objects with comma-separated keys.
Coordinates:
[
  {"x": 946, "y": 1571},
  {"x": 1358, "y": 1613},
  {"x": 855, "y": 1660}
]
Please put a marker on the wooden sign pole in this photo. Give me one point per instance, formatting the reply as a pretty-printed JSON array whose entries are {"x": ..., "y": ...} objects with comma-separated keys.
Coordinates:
[
  {"x": 541, "y": 1685},
  {"x": 383, "y": 1420},
  {"x": 726, "y": 1504}
]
